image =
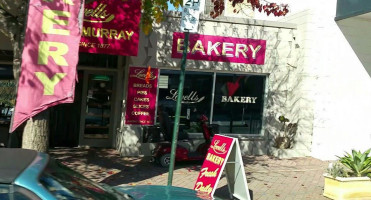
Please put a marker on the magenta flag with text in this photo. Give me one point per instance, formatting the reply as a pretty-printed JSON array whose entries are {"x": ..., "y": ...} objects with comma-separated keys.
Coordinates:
[{"x": 49, "y": 58}]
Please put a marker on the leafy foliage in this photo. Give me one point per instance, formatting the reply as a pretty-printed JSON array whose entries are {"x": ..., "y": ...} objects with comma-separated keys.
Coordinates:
[
  {"x": 153, "y": 11},
  {"x": 287, "y": 130},
  {"x": 336, "y": 170},
  {"x": 359, "y": 163},
  {"x": 285, "y": 138},
  {"x": 267, "y": 7}
]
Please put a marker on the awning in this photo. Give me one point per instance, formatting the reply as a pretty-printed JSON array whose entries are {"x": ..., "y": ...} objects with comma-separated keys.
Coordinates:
[{"x": 354, "y": 19}]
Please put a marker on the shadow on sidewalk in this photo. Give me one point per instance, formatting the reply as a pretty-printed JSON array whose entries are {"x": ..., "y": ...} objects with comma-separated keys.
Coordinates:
[
  {"x": 107, "y": 166},
  {"x": 264, "y": 174}
]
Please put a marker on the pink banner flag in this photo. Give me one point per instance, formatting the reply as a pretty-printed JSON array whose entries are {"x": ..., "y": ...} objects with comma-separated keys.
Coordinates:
[{"x": 49, "y": 58}]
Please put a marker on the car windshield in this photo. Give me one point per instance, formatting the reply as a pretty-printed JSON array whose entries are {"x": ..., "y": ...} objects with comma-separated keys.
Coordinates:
[{"x": 67, "y": 184}]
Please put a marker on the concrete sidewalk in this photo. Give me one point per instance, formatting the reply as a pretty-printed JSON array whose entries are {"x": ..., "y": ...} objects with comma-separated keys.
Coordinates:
[{"x": 268, "y": 178}]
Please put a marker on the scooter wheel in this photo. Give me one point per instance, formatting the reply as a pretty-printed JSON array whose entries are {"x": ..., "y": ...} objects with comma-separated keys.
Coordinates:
[{"x": 165, "y": 160}]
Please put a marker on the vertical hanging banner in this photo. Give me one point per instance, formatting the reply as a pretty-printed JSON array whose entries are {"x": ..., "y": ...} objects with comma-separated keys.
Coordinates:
[
  {"x": 49, "y": 57},
  {"x": 142, "y": 96},
  {"x": 224, "y": 153},
  {"x": 111, "y": 27}
]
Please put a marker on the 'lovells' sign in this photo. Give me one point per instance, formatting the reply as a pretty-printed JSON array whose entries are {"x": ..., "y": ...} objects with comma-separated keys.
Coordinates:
[
  {"x": 49, "y": 57},
  {"x": 111, "y": 27},
  {"x": 223, "y": 49}
]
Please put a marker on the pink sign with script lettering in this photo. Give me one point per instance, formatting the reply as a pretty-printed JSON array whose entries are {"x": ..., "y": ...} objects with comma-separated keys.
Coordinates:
[
  {"x": 142, "y": 95},
  {"x": 111, "y": 27},
  {"x": 222, "y": 49},
  {"x": 214, "y": 164}
]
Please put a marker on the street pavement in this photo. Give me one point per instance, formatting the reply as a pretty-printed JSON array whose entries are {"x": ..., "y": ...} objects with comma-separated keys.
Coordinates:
[{"x": 267, "y": 177}]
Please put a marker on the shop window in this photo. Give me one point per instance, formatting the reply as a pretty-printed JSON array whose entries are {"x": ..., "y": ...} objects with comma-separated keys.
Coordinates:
[
  {"x": 6, "y": 65},
  {"x": 6, "y": 72},
  {"x": 238, "y": 103},
  {"x": 98, "y": 60},
  {"x": 233, "y": 103},
  {"x": 197, "y": 94},
  {"x": 7, "y": 100}
]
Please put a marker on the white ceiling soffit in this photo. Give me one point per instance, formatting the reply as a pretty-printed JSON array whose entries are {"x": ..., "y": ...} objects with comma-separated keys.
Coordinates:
[{"x": 357, "y": 31}]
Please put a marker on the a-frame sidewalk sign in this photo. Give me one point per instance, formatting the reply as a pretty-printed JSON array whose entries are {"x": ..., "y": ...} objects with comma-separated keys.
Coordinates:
[{"x": 224, "y": 153}]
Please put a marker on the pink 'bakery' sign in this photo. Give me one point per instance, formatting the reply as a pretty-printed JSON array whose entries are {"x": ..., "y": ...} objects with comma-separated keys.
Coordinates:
[{"x": 222, "y": 49}]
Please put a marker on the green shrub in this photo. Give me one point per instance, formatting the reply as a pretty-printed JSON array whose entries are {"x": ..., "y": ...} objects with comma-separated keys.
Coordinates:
[
  {"x": 359, "y": 163},
  {"x": 336, "y": 170}
]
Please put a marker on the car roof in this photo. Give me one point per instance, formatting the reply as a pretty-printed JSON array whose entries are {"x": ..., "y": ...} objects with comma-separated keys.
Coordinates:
[{"x": 13, "y": 161}]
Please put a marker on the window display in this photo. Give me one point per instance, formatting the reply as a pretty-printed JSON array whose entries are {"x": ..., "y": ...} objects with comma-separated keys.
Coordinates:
[
  {"x": 238, "y": 103},
  {"x": 233, "y": 102},
  {"x": 196, "y": 100}
]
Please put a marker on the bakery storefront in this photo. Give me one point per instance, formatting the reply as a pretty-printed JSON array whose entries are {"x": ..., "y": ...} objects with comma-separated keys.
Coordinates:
[{"x": 241, "y": 74}]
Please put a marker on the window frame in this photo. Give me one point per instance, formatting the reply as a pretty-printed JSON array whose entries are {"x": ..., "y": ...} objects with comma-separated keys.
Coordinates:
[{"x": 214, "y": 74}]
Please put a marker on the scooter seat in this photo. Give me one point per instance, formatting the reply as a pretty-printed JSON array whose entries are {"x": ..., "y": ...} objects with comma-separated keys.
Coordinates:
[{"x": 186, "y": 144}]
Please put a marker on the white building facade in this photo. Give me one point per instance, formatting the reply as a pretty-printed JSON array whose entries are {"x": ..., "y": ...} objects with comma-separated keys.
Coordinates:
[
  {"x": 333, "y": 37},
  {"x": 280, "y": 87},
  {"x": 327, "y": 90}
]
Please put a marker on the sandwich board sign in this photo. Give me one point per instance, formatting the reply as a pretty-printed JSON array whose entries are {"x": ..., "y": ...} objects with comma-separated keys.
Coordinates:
[{"x": 224, "y": 153}]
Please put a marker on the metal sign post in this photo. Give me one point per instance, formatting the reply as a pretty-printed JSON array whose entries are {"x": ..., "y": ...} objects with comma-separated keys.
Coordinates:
[
  {"x": 189, "y": 23},
  {"x": 178, "y": 109}
]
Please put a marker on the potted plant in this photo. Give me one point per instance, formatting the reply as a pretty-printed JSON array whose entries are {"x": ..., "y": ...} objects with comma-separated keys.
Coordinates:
[
  {"x": 349, "y": 177},
  {"x": 284, "y": 139}
]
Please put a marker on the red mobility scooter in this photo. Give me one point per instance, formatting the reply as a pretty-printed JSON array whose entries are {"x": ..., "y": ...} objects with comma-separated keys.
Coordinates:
[{"x": 186, "y": 149}]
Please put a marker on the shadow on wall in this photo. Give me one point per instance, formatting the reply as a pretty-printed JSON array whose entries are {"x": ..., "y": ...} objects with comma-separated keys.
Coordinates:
[
  {"x": 127, "y": 141},
  {"x": 288, "y": 98},
  {"x": 287, "y": 94}
]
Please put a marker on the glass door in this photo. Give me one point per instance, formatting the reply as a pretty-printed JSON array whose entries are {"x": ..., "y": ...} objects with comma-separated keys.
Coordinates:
[{"x": 97, "y": 111}]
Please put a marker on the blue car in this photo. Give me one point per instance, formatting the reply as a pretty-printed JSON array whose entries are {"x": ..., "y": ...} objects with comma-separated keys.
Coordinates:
[{"x": 28, "y": 174}]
